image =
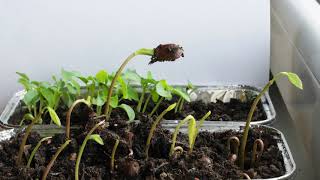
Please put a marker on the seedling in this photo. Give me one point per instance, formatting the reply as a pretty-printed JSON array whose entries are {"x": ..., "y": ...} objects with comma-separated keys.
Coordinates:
[
  {"x": 154, "y": 125},
  {"x": 293, "y": 79},
  {"x": 46, "y": 171},
  {"x": 181, "y": 100},
  {"x": 193, "y": 131},
  {"x": 256, "y": 154},
  {"x": 68, "y": 117},
  {"x": 37, "y": 93},
  {"x": 168, "y": 52},
  {"x": 90, "y": 136},
  {"x": 113, "y": 154},
  {"x": 34, "y": 151},
  {"x": 236, "y": 145}
]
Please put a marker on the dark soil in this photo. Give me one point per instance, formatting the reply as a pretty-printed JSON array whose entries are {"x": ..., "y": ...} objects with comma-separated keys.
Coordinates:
[
  {"x": 209, "y": 160},
  {"x": 234, "y": 110}
]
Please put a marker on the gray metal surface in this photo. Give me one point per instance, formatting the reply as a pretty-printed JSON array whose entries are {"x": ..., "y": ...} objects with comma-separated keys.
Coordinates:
[
  {"x": 290, "y": 166},
  {"x": 289, "y": 163},
  {"x": 204, "y": 93}
]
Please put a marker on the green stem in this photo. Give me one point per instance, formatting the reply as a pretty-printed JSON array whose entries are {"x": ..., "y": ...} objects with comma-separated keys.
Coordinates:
[
  {"x": 248, "y": 121},
  {"x": 154, "y": 125},
  {"x": 181, "y": 105},
  {"x": 156, "y": 107},
  {"x": 141, "y": 100},
  {"x": 113, "y": 154},
  {"x": 46, "y": 171},
  {"x": 68, "y": 117},
  {"x": 178, "y": 105},
  {"x": 99, "y": 109},
  {"x": 148, "y": 52},
  {"x": 83, "y": 145},
  {"x": 36, "y": 149},
  {"x": 146, "y": 104},
  {"x": 176, "y": 131},
  {"x": 24, "y": 141}
]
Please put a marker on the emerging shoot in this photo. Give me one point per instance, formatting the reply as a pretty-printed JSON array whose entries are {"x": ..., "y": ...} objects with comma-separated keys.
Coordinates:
[
  {"x": 193, "y": 131},
  {"x": 90, "y": 136},
  {"x": 293, "y": 79},
  {"x": 113, "y": 154},
  {"x": 235, "y": 145},
  {"x": 168, "y": 52},
  {"x": 256, "y": 154},
  {"x": 154, "y": 125},
  {"x": 34, "y": 151}
]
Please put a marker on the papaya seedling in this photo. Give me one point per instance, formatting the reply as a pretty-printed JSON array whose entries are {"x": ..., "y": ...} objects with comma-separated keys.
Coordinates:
[
  {"x": 55, "y": 156},
  {"x": 167, "y": 52},
  {"x": 113, "y": 154},
  {"x": 154, "y": 126},
  {"x": 189, "y": 89},
  {"x": 34, "y": 151},
  {"x": 89, "y": 136},
  {"x": 293, "y": 79},
  {"x": 193, "y": 131},
  {"x": 39, "y": 99},
  {"x": 163, "y": 90}
]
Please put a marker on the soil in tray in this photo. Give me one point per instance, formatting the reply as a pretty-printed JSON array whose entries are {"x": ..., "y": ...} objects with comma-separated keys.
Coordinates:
[
  {"x": 235, "y": 110},
  {"x": 209, "y": 159}
]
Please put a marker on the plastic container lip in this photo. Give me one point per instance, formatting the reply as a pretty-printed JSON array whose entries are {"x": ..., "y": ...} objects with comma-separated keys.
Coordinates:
[
  {"x": 204, "y": 93},
  {"x": 290, "y": 166}
]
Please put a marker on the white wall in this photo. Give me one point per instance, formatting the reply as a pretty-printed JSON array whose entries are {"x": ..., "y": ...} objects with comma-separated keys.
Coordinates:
[{"x": 225, "y": 41}]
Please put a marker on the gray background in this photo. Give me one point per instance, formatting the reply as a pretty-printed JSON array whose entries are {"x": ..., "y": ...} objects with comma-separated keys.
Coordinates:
[{"x": 225, "y": 42}]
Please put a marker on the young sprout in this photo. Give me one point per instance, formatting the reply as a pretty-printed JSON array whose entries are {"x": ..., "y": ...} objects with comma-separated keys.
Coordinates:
[
  {"x": 246, "y": 176},
  {"x": 163, "y": 90},
  {"x": 34, "y": 151},
  {"x": 154, "y": 125},
  {"x": 113, "y": 154},
  {"x": 236, "y": 145},
  {"x": 255, "y": 153},
  {"x": 39, "y": 98},
  {"x": 293, "y": 79},
  {"x": 190, "y": 88},
  {"x": 168, "y": 52},
  {"x": 46, "y": 171},
  {"x": 68, "y": 117},
  {"x": 90, "y": 136},
  {"x": 193, "y": 131}
]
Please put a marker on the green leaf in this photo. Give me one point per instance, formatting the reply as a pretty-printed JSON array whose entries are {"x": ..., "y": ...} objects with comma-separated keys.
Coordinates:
[
  {"x": 31, "y": 97},
  {"x": 48, "y": 95},
  {"x": 149, "y": 75},
  {"x": 99, "y": 100},
  {"x": 102, "y": 76},
  {"x": 129, "y": 111},
  {"x": 76, "y": 85},
  {"x": 71, "y": 89},
  {"x": 97, "y": 138},
  {"x": 124, "y": 88},
  {"x": 163, "y": 89},
  {"x": 182, "y": 94},
  {"x": 132, "y": 75},
  {"x": 26, "y": 84},
  {"x": 55, "y": 118},
  {"x": 83, "y": 79},
  {"x": 172, "y": 106},
  {"x": 154, "y": 96},
  {"x": 133, "y": 94},
  {"x": 68, "y": 75},
  {"x": 192, "y": 132},
  {"x": 23, "y": 75},
  {"x": 114, "y": 101},
  {"x": 294, "y": 79}
]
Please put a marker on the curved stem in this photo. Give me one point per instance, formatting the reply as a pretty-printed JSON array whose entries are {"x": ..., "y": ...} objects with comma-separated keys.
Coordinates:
[
  {"x": 46, "y": 171},
  {"x": 113, "y": 154},
  {"x": 148, "y": 52},
  {"x": 248, "y": 121},
  {"x": 36, "y": 149},
  {"x": 178, "y": 105},
  {"x": 83, "y": 145},
  {"x": 146, "y": 104},
  {"x": 68, "y": 117},
  {"x": 176, "y": 131},
  {"x": 256, "y": 154},
  {"x": 237, "y": 144},
  {"x": 153, "y": 127},
  {"x": 156, "y": 107},
  {"x": 141, "y": 100},
  {"x": 23, "y": 143}
]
